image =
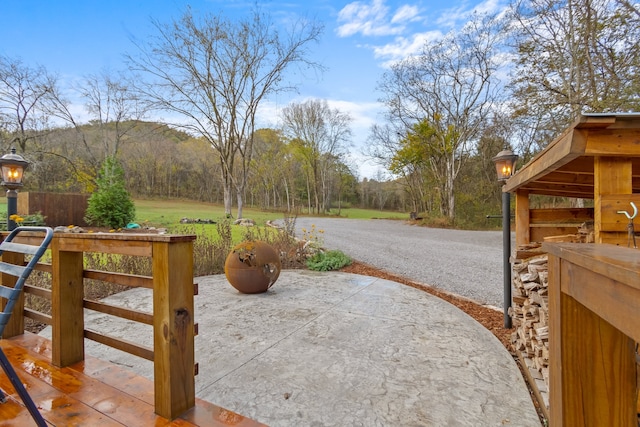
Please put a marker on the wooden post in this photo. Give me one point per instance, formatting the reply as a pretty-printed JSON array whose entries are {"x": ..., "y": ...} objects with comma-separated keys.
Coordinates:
[
  {"x": 523, "y": 234},
  {"x": 173, "y": 312},
  {"x": 611, "y": 175},
  {"x": 15, "y": 326},
  {"x": 67, "y": 293},
  {"x": 555, "y": 343}
]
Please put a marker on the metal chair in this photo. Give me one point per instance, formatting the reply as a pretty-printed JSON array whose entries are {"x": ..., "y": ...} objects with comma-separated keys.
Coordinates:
[{"x": 11, "y": 294}]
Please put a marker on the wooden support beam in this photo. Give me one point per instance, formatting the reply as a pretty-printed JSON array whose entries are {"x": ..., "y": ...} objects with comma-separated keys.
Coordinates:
[
  {"x": 613, "y": 142},
  {"x": 611, "y": 204},
  {"x": 523, "y": 236},
  {"x": 556, "y": 329},
  {"x": 558, "y": 153},
  {"x": 15, "y": 326},
  {"x": 173, "y": 312},
  {"x": 612, "y": 175},
  {"x": 67, "y": 293}
]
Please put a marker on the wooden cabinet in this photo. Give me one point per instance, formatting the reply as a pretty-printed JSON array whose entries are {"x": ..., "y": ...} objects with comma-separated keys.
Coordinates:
[{"x": 594, "y": 309}]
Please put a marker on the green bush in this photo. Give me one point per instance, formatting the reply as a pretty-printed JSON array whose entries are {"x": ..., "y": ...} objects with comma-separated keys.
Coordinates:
[
  {"x": 111, "y": 204},
  {"x": 327, "y": 261}
]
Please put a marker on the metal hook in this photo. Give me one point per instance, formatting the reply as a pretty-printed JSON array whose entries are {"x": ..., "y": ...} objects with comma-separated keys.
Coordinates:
[
  {"x": 631, "y": 237},
  {"x": 635, "y": 212}
]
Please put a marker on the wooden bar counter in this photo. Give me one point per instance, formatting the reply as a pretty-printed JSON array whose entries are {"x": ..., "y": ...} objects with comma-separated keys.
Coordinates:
[{"x": 594, "y": 317}]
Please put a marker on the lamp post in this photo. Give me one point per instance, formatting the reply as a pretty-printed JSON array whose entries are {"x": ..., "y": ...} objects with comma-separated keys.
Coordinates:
[
  {"x": 505, "y": 163},
  {"x": 13, "y": 166}
]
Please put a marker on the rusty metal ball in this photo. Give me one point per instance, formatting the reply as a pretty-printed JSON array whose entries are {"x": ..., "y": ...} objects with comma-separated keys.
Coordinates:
[{"x": 252, "y": 267}]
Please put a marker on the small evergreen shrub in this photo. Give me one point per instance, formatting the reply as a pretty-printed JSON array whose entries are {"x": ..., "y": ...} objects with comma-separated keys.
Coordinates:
[
  {"x": 328, "y": 261},
  {"x": 111, "y": 204}
]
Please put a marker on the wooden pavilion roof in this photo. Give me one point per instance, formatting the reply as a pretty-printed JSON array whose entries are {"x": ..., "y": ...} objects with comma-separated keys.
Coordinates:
[{"x": 566, "y": 166}]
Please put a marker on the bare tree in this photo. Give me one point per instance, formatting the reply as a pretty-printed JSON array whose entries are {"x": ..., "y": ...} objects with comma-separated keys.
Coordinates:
[
  {"x": 382, "y": 143},
  {"x": 114, "y": 106},
  {"x": 320, "y": 135},
  {"x": 633, "y": 9},
  {"x": 25, "y": 119},
  {"x": 575, "y": 56},
  {"x": 451, "y": 87},
  {"x": 269, "y": 184},
  {"x": 214, "y": 73},
  {"x": 23, "y": 91}
]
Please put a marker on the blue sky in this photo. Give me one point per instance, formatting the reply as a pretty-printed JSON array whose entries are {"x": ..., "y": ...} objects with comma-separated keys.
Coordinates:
[{"x": 75, "y": 38}]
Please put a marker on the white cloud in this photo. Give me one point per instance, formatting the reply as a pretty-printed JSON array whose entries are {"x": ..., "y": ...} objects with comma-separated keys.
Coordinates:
[
  {"x": 489, "y": 7},
  {"x": 374, "y": 19},
  {"x": 268, "y": 115},
  {"x": 403, "y": 47},
  {"x": 406, "y": 24},
  {"x": 363, "y": 115},
  {"x": 456, "y": 16},
  {"x": 405, "y": 13},
  {"x": 410, "y": 42}
]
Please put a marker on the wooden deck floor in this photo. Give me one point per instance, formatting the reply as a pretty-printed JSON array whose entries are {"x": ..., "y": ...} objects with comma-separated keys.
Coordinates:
[{"x": 90, "y": 393}]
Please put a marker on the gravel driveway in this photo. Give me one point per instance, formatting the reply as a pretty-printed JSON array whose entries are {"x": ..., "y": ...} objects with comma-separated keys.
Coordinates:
[{"x": 466, "y": 263}]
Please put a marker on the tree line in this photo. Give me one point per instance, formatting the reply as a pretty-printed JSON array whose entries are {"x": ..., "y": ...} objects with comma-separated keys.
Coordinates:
[{"x": 512, "y": 80}]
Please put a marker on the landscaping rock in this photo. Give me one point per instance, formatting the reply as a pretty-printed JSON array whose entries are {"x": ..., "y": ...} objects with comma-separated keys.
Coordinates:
[
  {"x": 244, "y": 222},
  {"x": 196, "y": 221},
  {"x": 72, "y": 229}
]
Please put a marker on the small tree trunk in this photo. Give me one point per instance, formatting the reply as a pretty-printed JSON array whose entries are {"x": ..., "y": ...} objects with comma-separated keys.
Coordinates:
[
  {"x": 240, "y": 200},
  {"x": 227, "y": 199},
  {"x": 286, "y": 190},
  {"x": 308, "y": 194}
]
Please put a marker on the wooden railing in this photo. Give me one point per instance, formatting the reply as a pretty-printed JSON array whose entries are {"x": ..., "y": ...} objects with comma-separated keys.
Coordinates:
[
  {"x": 594, "y": 325},
  {"x": 173, "y": 308}
]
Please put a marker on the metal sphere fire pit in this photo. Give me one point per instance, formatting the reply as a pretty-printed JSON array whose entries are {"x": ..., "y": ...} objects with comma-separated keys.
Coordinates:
[{"x": 252, "y": 267}]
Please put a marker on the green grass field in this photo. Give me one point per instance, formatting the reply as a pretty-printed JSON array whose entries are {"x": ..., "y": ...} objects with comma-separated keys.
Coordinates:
[
  {"x": 355, "y": 213},
  {"x": 167, "y": 213}
]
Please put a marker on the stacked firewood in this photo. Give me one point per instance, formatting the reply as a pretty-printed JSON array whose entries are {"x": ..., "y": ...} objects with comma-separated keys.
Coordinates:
[
  {"x": 530, "y": 313},
  {"x": 584, "y": 234}
]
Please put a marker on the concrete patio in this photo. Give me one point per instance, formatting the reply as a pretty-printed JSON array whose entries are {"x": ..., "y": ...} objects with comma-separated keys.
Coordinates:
[{"x": 337, "y": 349}]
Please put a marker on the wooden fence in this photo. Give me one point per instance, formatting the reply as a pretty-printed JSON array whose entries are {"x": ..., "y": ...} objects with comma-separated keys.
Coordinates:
[
  {"x": 173, "y": 307},
  {"x": 57, "y": 208}
]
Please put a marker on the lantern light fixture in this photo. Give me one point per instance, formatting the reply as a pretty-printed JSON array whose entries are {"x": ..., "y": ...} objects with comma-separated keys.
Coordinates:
[
  {"x": 505, "y": 163},
  {"x": 12, "y": 166}
]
